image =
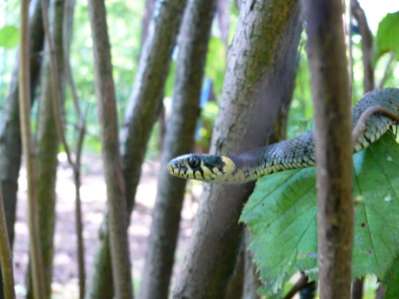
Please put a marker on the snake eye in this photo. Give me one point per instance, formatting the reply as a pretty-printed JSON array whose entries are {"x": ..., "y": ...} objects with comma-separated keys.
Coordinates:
[{"x": 193, "y": 162}]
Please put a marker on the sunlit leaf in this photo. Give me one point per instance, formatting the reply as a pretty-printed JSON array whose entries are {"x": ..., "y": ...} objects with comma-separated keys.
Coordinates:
[
  {"x": 281, "y": 215},
  {"x": 387, "y": 39},
  {"x": 9, "y": 36}
]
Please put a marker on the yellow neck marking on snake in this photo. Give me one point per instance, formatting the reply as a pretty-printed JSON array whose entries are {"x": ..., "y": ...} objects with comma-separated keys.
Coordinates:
[{"x": 229, "y": 166}]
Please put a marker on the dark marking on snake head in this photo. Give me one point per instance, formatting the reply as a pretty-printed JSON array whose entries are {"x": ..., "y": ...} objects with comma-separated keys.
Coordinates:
[{"x": 212, "y": 162}]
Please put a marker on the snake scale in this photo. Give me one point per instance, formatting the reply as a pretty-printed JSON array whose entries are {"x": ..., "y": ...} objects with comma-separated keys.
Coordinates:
[{"x": 375, "y": 114}]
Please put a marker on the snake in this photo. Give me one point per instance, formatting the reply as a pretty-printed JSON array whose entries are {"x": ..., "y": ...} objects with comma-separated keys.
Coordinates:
[{"x": 376, "y": 113}]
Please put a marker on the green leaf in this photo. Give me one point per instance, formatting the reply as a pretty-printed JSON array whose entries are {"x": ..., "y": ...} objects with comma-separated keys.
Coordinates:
[
  {"x": 391, "y": 281},
  {"x": 216, "y": 62},
  {"x": 281, "y": 215},
  {"x": 9, "y": 36},
  {"x": 387, "y": 39}
]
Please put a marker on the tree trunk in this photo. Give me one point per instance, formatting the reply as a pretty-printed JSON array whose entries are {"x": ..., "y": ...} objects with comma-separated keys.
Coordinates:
[
  {"x": 47, "y": 150},
  {"x": 143, "y": 110},
  {"x": 330, "y": 85},
  {"x": 193, "y": 45},
  {"x": 257, "y": 87},
  {"x": 116, "y": 192}
]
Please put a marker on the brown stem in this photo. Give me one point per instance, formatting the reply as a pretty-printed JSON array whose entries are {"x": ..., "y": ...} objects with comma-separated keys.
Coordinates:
[
  {"x": 367, "y": 45},
  {"x": 26, "y": 136},
  {"x": 115, "y": 183},
  {"x": 5, "y": 255},
  {"x": 55, "y": 82},
  {"x": 59, "y": 122}
]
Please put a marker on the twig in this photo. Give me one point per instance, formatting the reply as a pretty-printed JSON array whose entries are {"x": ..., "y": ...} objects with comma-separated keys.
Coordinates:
[
  {"x": 24, "y": 106},
  {"x": 5, "y": 255},
  {"x": 350, "y": 45},
  {"x": 367, "y": 45},
  {"x": 78, "y": 214}
]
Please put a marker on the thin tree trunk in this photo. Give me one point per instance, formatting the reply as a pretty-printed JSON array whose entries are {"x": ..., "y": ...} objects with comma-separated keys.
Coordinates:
[
  {"x": 193, "y": 45},
  {"x": 258, "y": 85},
  {"x": 6, "y": 255},
  {"x": 330, "y": 85},
  {"x": 105, "y": 92},
  {"x": 26, "y": 136},
  {"x": 10, "y": 142},
  {"x": 47, "y": 150},
  {"x": 69, "y": 7},
  {"x": 143, "y": 110}
]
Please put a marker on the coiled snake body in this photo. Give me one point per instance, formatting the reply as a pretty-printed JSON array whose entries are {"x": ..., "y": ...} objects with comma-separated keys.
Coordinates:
[{"x": 375, "y": 114}]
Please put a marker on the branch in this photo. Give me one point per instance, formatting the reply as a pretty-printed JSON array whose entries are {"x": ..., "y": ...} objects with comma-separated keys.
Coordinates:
[
  {"x": 55, "y": 82},
  {"x": 367, "y": 45},
  {"x": 5, "y": 255},
  {"x": 24, "y": 106},
  {"x": 59, "y": 122}
]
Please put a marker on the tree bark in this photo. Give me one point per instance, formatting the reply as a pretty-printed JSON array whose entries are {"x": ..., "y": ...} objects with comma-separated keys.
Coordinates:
[
  {"x": 47, "y": 150},
  {"x": 330, "y": 85},
  {"x": 251, "y": 278},
  {"x": 116, "y": 192},
  {"x": 193, "y": 45},
  {"x": 235, "y": 286},
  {"x": 143, "y": 110},
  {"x": 257, "y": 87}
]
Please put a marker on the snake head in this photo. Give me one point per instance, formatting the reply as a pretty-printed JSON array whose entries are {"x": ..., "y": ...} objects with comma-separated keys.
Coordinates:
[{"x": 202, "y": 167}]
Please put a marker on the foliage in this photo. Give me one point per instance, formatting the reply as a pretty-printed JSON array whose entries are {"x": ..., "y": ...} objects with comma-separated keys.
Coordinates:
[
  {"x": 387, "y": 39},
  {"x": 281, "y": 215},
  {"x": 9, "y": 36}
]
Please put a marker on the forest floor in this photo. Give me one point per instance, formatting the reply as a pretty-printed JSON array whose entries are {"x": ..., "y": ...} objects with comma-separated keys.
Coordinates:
[{"x": 65, "y": 283}]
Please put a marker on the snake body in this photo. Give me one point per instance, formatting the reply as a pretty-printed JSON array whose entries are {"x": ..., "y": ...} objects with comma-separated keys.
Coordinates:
[{"x": 375, "y": 114}]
